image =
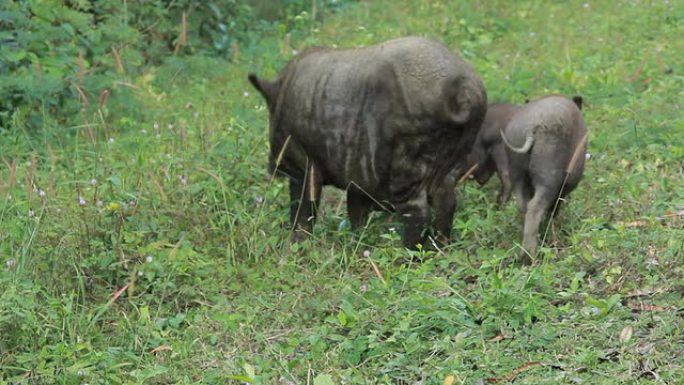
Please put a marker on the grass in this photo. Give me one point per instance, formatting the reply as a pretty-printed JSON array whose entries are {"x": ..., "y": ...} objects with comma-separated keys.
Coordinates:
[{"x": 149, "y": 245}]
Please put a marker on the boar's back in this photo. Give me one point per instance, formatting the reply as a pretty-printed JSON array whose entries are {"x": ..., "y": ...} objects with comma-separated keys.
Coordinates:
[{"x": 354, "y": 112}]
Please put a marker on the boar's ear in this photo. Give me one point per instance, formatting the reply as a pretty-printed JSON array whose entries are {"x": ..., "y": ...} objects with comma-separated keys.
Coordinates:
[
  {"x": 578, "y": 100},
  {"x": 266, "y": 88}
]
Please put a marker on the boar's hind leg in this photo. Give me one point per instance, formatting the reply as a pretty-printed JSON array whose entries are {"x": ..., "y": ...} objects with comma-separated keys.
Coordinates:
[
  {"x": 536, "y": 208},
  {"x": 359, "y": 205},
  {"x": 414, "y": 215},
  {"x": 304, "y": 200}
]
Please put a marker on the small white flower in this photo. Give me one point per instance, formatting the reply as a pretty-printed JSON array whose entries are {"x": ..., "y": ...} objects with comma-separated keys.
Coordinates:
[
  {"x": 41, "y": 193},
  {"x": 532, "y": 34},
  {"x": 195, "y": 115},
  {"x": 392, "y": 230},
  {"x": 363, "y": 288},
  {"x": 585, "y": 5},
  {"x": 170, "y": 126},
  {"x": 259, "y": 199},
  {"x": 93, "y": 182},
  {"x": 99, "y": 203},
  {"x": 366, "y": 253},
  {"x": 143, "y": 131},
  {"x": 587, "y": 156},
  {"x": 148, "y": 259},
  {"x": 31, "y": 213},
  {"x": 140, "y": 274},
  {"x": 81, "y": 201},
  {"x": 245, "y": 94},
  {"x": 58, "y": 210},
  {"x": 111, "y": 140},
  {"x": 156, "y": 126},
  {"x": 10, "y": 263}
]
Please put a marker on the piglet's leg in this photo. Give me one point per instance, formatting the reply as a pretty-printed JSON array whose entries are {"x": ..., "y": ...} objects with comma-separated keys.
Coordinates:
[
  {"x": 523, "y": 194},
  {"x": 536, "y": 208},
  {"x": 503, "y": 170}
]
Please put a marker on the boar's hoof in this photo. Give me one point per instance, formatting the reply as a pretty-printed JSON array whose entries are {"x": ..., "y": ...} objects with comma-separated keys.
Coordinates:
[
  {"x": 525, "y": 258},
  {"x": 299, "y": 235}
]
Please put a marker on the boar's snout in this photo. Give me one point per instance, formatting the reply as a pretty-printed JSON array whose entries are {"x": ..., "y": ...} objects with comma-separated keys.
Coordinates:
[
  {"x": 484, "y": 169},
  {"x": 483, "y": 174}
]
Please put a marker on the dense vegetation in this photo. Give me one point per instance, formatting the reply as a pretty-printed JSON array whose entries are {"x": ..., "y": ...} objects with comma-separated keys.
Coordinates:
[{"x": 142, "y": 240}]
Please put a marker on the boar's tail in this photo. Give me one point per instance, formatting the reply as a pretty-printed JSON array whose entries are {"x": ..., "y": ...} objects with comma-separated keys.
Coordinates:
[
  {"x": 529, "y": 140},
  {"x": 466, "y": 101}
]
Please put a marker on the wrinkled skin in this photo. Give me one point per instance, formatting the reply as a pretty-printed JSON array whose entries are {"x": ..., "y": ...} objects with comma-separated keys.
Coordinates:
[
  {"x": 553, "y": 164},
  {"x": 390, "y": 123},
  {"x": 489, "y": 152}
]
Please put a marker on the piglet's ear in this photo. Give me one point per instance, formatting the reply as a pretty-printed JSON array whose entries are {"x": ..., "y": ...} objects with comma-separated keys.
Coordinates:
[
  {"x": 267, "y": 88},
  {"x": 578, "y": 100}
]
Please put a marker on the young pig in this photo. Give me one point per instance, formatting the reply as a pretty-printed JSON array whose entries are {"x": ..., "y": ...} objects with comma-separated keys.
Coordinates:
[
  {"x": 546, "y": 142},
  {"x": 489, "y": 152}
]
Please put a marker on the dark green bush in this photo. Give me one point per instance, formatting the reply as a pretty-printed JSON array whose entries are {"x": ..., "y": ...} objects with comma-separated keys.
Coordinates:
[{"x": 58, "y": 57}]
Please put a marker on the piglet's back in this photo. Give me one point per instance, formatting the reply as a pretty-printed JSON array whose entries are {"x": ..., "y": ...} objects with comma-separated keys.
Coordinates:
[{"x": 552, "y": 117}]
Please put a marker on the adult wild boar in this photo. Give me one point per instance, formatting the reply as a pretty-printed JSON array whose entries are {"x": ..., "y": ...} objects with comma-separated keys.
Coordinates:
[
  {"x": 489, "y": 152},
  {"x": 391, "y": 123},
  {"x": 546, "y": 143}
]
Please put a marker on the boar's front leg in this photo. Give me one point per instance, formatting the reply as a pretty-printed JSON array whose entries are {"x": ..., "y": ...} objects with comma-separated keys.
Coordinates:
[
  {"x": 443, "y": 203},
  {"x": 359, "y": 206},
  {"x": 536, "y": 208},
  {"x": 414, "y": 215},
  {"x": 305, "y": 196}
]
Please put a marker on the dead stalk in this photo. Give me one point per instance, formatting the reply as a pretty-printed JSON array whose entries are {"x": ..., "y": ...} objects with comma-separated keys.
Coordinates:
[
  {"x": 12, "y": 168},
  {"x": 118, "y": 61},
  {"x": 286, "y": 45},
  {"x": 183, "y": 37},
  {"x": 84, "y": 98},
  {"x": 377, "y": 271},
  {"x": 234, "y": 51},
  {"x": 468, "y": 173},
  {"x": 576, "y": 154}
]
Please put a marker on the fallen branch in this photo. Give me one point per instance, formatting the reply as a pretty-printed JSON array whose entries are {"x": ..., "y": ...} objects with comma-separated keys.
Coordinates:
[
  {"x": 511, "y": 376},
  {"x": 646, "y": 307}
]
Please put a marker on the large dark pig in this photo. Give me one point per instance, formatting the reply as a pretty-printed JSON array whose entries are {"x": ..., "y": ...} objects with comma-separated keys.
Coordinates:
[
  {"x": 390, "y": 123},
  {"x": 489, "y": 153},
  {"x": 546, "y": 143}
]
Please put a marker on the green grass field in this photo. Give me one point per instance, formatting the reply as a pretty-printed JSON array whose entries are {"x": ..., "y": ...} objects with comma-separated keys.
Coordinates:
[{"x": 152, "y": 247}]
